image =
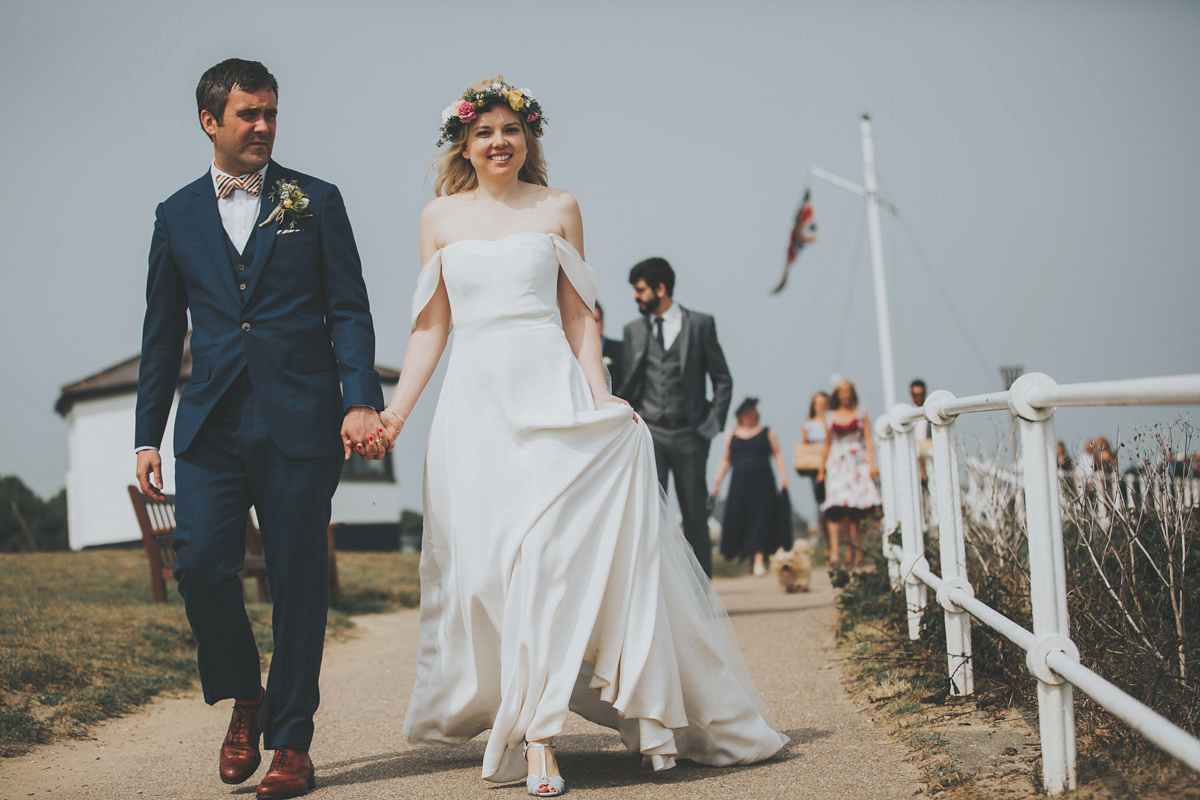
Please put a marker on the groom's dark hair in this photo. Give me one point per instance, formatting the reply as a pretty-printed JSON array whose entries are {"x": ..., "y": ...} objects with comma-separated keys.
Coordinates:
[
  {"x": 212, "y": 92},
  {"x": 654, "y": 271}
]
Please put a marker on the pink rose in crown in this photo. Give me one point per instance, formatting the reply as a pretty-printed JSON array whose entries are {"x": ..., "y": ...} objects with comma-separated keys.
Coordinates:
[
  {"x": 533, "y": 117},
  {"x": 466, "y": 111}
]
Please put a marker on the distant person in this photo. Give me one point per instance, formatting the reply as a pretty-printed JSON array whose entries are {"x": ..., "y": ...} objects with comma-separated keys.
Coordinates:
[
  {"x": 670, "y": 355},
  {"x": 1106, "y": 465},
  {"x": 849, "y": 472},
  {"x": 752, "y": 527},
  {"x": 1176, "y": 465},
  {"x": 1066, "y": 466},
  {"x": 812, "y": 431},
  {"x": 917, "y": 394},
  {"x": 1106, "y": 455},
  {"x": 1085, "y": 465},
  {"x": 1133, "y": 482},
  {"x": 610, "y": 350},
  {"x": 283, "y": 389}
]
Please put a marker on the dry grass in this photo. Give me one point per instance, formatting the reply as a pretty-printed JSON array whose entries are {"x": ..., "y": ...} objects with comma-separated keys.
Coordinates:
[
  {"x": 985, "y": 747},
  {"x": 889, "y": 675},
  {"x": 83, "y": 641}
]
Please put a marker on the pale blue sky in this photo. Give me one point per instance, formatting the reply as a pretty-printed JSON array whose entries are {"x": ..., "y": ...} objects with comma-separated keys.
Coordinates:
[{"x": 1042, "y": 155}]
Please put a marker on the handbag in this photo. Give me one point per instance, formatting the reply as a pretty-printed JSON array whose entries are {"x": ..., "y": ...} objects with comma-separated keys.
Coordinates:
[
  {"x": 783, "y": 520},
  {"x": 808, "y": 458}
]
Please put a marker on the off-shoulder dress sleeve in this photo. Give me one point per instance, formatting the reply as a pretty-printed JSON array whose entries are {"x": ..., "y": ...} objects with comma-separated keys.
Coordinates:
[
  {"x": 581, "y": 276},
  {"x": 427, "y": 284}
]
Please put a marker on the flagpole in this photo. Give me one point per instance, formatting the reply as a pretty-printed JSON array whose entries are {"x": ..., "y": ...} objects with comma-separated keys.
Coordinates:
[
  {"x": 876, "y": 237},
  {"x": 870, "y": 190}
]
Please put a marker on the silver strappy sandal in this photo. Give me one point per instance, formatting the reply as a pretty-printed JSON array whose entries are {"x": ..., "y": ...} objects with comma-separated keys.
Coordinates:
[{"x": 544, "y": 785}]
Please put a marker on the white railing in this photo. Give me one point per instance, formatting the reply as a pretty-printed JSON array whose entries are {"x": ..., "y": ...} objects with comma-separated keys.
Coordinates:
[{"x": 1050, "y": 654}]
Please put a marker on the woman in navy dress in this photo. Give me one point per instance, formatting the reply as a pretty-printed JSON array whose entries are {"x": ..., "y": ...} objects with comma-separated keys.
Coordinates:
[{"x": 751, "y": 528}]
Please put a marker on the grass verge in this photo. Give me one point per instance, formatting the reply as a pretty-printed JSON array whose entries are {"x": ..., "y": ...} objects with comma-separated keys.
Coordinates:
[
  {"x": 83, "y": 641},
  {"x": 886, "y": 673}
]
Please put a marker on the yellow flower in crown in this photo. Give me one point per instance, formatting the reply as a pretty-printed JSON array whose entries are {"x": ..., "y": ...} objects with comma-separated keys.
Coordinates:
[{"x": 516, "y": 100}]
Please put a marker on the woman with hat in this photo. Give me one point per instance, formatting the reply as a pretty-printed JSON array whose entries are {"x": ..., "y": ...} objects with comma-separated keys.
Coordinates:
[{"x": 751, "y": 527}]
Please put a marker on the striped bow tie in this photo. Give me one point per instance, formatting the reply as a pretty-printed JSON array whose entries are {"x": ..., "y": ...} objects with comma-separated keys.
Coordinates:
[{"x": 251, "y": 182}]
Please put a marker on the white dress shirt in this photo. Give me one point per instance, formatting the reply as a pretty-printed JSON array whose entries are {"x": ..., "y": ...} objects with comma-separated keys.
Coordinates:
[
  {"x": 239, "y": 211},
  {"x": 672, "y": 323}
]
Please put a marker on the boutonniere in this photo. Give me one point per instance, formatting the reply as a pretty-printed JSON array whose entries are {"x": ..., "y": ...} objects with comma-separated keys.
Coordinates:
[{"x": 292, "y": 203}]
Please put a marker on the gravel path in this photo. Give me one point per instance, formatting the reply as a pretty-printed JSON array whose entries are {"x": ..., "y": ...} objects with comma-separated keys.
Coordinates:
[{"x": 168, "y": 750}]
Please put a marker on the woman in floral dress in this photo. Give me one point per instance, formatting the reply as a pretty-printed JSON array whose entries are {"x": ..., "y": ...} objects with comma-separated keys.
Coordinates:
[{"x": 849, "y": 472}]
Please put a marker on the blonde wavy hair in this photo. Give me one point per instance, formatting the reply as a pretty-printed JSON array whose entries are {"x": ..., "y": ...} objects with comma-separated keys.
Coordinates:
[{"x": 456, "y": 174}]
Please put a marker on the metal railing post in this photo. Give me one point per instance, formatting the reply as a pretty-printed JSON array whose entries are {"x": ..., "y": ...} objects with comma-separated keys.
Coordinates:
[
  {"x": 908, "y": 496},
  {"x": 1047, "y": 583},
  {"x": 952, "y": 544},
  {"x": 886, "y": 451}
]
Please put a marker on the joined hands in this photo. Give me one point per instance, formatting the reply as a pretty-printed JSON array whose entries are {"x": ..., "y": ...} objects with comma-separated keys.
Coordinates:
[{"x": 363, "y": 432}]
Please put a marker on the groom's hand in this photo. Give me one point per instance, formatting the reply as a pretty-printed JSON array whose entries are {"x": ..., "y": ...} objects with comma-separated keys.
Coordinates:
[
  {"x": 149, "y": 462},
  {"x": 362, "y": 433}
]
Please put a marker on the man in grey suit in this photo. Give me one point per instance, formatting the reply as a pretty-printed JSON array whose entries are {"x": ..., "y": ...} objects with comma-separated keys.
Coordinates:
[{"x": 667, "y": 356}]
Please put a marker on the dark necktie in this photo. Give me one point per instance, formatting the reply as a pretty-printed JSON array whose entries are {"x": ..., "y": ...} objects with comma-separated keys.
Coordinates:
[{"x": 658, "y": 334}]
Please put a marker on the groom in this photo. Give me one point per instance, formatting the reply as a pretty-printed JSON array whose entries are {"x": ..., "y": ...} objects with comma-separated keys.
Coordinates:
[
  {"x": 283, "y": 387},
  {"x": 670, "y": 355}
]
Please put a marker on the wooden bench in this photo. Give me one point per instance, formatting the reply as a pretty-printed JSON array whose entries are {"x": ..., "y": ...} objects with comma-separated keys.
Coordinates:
[{"x": 157, "y": 521}]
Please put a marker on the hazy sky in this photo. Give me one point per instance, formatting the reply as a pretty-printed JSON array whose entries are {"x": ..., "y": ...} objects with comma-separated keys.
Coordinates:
[{"x": 1042, "y": 156}]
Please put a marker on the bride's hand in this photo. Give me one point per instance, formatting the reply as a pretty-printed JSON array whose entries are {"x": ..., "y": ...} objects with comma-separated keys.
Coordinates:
[
  {"x": 601, "y": 398},
  {"x": 607, "y": 398},
  {"x": 390, "y": 434},
  {"x": 393, "y": 423}
]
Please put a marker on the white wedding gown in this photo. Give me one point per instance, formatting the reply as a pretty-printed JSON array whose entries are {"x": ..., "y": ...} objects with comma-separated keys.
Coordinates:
[{"x": 551, "y": 577}]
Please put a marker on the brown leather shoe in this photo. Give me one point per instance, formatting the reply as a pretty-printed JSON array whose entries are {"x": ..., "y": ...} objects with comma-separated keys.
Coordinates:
[
  {"x": 291, "y": 775},
  {"x": 239, "y": 751}
]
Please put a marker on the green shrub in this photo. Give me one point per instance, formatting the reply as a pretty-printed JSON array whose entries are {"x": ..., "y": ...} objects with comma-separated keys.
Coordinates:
[{"x": 28, "y": 523}]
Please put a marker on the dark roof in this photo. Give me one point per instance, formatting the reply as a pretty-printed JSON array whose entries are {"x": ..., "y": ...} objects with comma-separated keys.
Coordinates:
[{"x": 122, "y": 379}]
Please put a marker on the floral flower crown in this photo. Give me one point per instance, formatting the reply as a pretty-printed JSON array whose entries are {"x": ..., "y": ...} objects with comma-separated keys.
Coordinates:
[{"x": 460, "y": 113}]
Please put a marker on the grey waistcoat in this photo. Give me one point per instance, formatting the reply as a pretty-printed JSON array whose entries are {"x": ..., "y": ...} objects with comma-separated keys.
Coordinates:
[{"x": 662, "y": 395}]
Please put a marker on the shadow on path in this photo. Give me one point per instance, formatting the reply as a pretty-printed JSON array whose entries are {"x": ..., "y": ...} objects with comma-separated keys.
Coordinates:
[{"x": 587, "y": 767}]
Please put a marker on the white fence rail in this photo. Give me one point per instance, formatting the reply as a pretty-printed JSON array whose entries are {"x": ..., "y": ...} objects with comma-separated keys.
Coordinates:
[{"x": 1050, "y": 654}]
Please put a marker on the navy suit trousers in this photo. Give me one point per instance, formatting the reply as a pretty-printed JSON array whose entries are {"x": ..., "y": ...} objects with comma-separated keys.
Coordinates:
[{"x": 231, "y": 465}]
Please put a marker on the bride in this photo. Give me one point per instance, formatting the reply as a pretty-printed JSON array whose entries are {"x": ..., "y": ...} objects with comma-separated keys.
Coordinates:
[{"x": 551, "y": 577}]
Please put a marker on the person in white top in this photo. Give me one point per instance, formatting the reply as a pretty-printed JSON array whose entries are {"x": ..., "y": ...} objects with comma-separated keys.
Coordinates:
[{"x": 812, "y": 431}]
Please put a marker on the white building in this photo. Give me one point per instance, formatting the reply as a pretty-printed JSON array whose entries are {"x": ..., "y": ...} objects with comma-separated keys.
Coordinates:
[{"x": 100, "y": 419}]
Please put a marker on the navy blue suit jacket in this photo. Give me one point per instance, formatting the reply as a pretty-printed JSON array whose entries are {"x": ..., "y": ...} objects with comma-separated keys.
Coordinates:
[{"x": 301, "y": 328}]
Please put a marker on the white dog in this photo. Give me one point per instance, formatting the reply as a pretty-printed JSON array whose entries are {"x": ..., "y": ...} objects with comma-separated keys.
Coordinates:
[{"x": 793, "y": 567}]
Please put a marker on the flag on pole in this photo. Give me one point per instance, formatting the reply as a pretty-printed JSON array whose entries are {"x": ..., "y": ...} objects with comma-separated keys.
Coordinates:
[{"x": 804, "y": 231}]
